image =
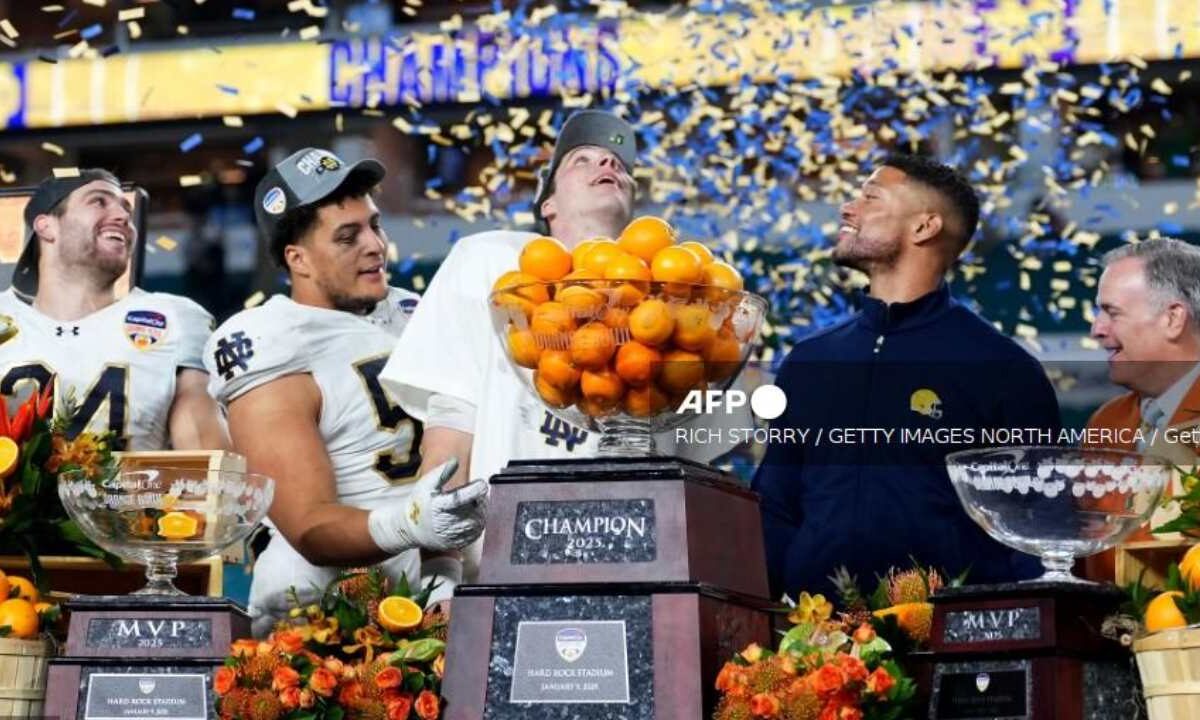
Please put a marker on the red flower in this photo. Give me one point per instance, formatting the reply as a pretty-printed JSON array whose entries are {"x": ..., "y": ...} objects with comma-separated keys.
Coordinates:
[
  {"x": 827, "y": 680},
  {"x": 289, "y": 641},
  {"x": 307, "y": 699},
  {"x": 322, "y": 682},
  {"x": 243, "y": 647},
  {"x": 880, "y": 682},
  {"x": 765, "y": 705},
  {"x": 224, "y": 680},
  {"x": 399, "y": 707},
  {"x": 428, "y": 706},
  {"x": 290, "y": 697},
  {"x": 284, "y": 677},
  {"x": 45, "y": 400},
  {"x": 732, "y": 680},
  {"x": 335, "y": 666},
  {"x": 22, "y": 422},
  {"x": 854, "y": 668},
  {"x": 351, "y": 694},
  {"x": 864, "y": 634},
  {"x": 388, "y": 677}
]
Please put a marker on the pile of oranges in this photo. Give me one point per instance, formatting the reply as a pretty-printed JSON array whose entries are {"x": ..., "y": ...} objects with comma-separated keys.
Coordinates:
[
  {"x": 627, "y": 325},
  {"x": 22, "y": 615}
]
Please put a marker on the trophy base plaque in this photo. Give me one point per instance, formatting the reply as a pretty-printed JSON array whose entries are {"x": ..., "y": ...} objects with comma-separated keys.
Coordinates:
[
  {"x": 638, "y": 651},
  {"x": 608, "y": 588},
  {"x": 130, "y": 656},
  {"x": 1028, "y": 651}
]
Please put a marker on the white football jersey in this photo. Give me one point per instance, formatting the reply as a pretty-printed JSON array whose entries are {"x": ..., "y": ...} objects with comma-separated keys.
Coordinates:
[
  {"x": 372, "y": 444},
  {"x": 120, "y": 362}
]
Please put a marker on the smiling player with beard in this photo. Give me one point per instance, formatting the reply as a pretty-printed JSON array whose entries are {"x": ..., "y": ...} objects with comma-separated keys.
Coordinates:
[
  {"x": 132, "y": 363},
  {"x": 300, "y": 378}
]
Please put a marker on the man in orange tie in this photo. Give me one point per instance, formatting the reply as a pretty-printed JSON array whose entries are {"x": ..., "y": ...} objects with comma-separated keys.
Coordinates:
[{"x": 1148, "y": 320}]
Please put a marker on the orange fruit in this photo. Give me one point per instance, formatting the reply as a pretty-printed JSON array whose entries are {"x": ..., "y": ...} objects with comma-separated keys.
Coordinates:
[
  {"x": 579, "y": 251},
  {"x": 177, "y": 526},
  {"x": 552, "y": 396},
  {"x": 10, "y": 452},
  {"x": 722, "y": 356},
  {"x": 645, "y": 401},
  {"x": 523, "y": 348},
  {"x": 627, "y": 267},
  {"x": 720, "y": 279},
  {"x": 693, "y": 328},
  {"x": 397, "y": 614},
  {"x": 638, "y": 364},
  {"x": 601, "y": 387},
  {"x": 550, "y": 319},
  {"x": 545, "y": 258},
  {"x": 23, "y": 588},
  {"x": 557, "y": 370},
  {"x": 596, "y": 259},
  {"x": 651, "y": 322},
  {"x": 592, "y": 346},
  {"x": 681, "y": 371},
  {"x": 584, "y": 302},
  {"x": 1189, "y": 567},
  {"x": 4, "y": 586},
  {"x": 20, "y": 617},
  {"x": 616, "y": 318},
  {"x": 645, "y": 236},
  {"x": 572, "y": 278},
  {"x": 524, "y": 298},
  {"x": 701, "y": 251},
  {"x": 595, "y": 409},
  {"x": 676, "y": 264},
  {"x": 1162, "y": 613},
  {"x": 41, "y": 607}
]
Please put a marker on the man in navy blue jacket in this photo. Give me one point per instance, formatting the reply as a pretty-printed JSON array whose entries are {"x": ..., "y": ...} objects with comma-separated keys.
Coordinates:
[{"x": 913, "y": 361}]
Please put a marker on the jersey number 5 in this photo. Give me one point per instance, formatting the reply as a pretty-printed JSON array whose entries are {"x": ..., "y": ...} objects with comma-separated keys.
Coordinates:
[
  {"x": 110, "y": 387},
  {"x": 395, "y": 465}
]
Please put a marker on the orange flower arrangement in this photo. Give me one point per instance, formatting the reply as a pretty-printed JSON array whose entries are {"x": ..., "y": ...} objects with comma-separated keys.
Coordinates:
[
  {"x": 824, "y": 669},
  {"x": 35, "y": 449},
  {"x": 333, "y": 661}
]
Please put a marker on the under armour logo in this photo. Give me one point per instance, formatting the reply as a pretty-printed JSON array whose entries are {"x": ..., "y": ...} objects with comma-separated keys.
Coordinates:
[
  {"x": 232, "y": 353},
  {"x": 60, "y": 330},
  {"x": 555, "y": 430}
]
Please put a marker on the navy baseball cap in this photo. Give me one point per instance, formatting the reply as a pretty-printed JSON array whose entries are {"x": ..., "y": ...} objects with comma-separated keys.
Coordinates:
[
  {"x": 305, "y": 177},
  {"x": 586, "y": 127},
  {"x": 47, "y": 196}
]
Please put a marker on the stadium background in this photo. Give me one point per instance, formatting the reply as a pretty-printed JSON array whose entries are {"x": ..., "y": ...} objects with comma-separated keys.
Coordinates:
[{"x": 1077, "y": 119}]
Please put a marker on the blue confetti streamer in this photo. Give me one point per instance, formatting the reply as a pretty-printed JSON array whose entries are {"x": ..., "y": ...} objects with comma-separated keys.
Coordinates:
[{"x": 191, "y": 142}]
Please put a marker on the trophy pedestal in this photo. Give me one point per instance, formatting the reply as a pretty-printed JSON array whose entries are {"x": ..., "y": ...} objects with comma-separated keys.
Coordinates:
[
  {"x": 1028, "y": 651},
  {"x": 609, "y": 588},
  {"x": 130, "y": 656}
]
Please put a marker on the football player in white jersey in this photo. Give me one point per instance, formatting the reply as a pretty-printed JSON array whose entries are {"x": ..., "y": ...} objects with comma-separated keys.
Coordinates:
[
  {"x": 474, "y": 406},
  {"x": 300, "y": 378},
  {"x": 133, "y": 363}
]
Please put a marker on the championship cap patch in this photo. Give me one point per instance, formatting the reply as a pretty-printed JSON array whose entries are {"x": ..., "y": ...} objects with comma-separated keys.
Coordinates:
[
  {"x": 407, "y": 306},
  {"x": 145, "y": 328},
  {"x": 274, "y": 202}
]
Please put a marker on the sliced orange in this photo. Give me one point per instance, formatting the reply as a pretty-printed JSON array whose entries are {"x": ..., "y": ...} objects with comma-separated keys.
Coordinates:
[
  {"x": 10, "y": 453},
  {"x": 177, "y": 526},
  {"x": 397, "y": 614},
  {"x": 24, "y": 589}
]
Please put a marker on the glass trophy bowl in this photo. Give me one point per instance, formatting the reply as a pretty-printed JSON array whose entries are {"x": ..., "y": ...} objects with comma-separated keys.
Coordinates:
[
  {"x": 1058, "y": 503},
  {"x": 568, "y": 341},
  {"x": 162, "y": 516}
]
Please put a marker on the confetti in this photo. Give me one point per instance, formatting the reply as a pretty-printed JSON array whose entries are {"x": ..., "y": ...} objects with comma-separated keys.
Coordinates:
[
  {"x": 65, "y": 172},
  {"x": 51, "y": 147},
  {"x": 233, "y": 121},
  {"x": 190, "y": 180},
  {"x": 8, "y": 29},
  {"x": 97, "y": 3},
  {"x": 254, "y": 300},
  {"x": 166, "y": 243},
  {"x": 310, "y": 32},
  {"x": 253, "y": 146},
  {"x": 191, "y": 142},
  {"x": 131, "y": 14}
]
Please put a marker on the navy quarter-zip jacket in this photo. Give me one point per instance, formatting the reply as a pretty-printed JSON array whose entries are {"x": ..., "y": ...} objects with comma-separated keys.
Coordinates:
[{"x": 870, "y": 504}]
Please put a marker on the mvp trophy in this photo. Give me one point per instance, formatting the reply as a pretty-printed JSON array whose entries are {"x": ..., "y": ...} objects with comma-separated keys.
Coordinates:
[
  {"x": 613, "y": 587},
  {"x": 1032, "y": 650},
  {"x": 152, "y": 654}
]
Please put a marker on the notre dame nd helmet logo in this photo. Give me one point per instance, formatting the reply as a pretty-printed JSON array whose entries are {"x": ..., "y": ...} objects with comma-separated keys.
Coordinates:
[{"x": 926, "y": 402}]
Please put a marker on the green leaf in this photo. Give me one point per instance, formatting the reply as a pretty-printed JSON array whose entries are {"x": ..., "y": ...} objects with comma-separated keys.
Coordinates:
[
  {"x": 414, "y": 683},
  {"x": 402, "y": 588},
  {"x": 797, "y": 641},
  {"x": 335, "y": 713},
  {"x": 417, "y": 651},
  {"x": 349, "y": 616}
]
